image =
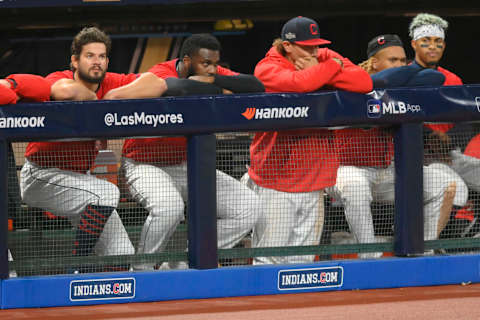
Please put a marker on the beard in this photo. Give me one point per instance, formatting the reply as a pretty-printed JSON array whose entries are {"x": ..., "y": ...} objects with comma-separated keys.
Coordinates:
[
  {"x": 87, "y": 78},
  {"x": 191, "y": 71}
]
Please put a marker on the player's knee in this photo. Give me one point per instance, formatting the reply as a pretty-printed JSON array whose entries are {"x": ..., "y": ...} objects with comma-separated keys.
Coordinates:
[
  {"x": 110, "y": 196},
  {"x": 461, "y": 194},
  {"x": 356, "y": 190},
  {"x": 251, "y": 208},
  {"x": 173, "y": 209}
]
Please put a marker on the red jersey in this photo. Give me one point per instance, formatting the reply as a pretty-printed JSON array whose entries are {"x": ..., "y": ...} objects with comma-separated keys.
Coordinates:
[
  {"x": 374, "y": 147},
  {"x": 364, "y": 147},
  {"x": 301, "y": 160},
  {"x": 75, "y": 156},
  {"x": 451, "y": 79},
  {"x": 28, "y": 87},
  {"x": 162, "y": 151},
  {"x": 473, "y": 147}
]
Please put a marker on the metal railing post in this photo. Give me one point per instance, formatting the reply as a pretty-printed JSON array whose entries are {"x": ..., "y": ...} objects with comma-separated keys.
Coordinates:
[
  {"x": 408, "y": 221},
  {"x": 202, "y": 205},
  {"x": 3, "y": 209}
]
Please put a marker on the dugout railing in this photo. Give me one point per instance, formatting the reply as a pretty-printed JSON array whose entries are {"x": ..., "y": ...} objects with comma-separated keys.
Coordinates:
[{"x": 203, "y": 116}]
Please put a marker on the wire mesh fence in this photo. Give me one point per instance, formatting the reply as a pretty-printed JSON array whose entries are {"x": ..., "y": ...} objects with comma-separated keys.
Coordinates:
[{"x": 82, "y": 206}]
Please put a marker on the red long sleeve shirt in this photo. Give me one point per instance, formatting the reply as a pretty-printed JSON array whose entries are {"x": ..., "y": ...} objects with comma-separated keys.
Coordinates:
[
  {"x": 29, "y": 87},
  {"x": 301, "y": 160}
]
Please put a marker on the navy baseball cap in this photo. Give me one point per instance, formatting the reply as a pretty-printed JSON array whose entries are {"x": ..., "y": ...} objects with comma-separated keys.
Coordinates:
[
  {"x": 303, "y": 31},
  {"x": 383, "y": 41}
]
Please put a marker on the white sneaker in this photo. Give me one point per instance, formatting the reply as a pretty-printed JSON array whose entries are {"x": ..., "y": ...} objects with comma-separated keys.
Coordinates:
[{"x": 12, "y": 273}]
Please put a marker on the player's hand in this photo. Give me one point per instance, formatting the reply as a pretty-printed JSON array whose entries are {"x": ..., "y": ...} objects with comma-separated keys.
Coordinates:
[
  {"x": 5, "y": 83},
  {"x": 305, "y": 62},
  {"x": 226, "y": 91},
  {"x": 206, "y": 79},
  {"x": 437, "y": 147},
  {"x": 101, "y": 144},
  {"x": 338, "y": 61}
]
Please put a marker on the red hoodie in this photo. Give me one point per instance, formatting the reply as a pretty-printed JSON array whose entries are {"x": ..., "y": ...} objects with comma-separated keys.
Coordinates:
[{"x": 301, "y": 160}]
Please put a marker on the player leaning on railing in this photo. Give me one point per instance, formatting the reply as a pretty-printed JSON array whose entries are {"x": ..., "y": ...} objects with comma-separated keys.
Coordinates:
[
  {"x": 24, "y": 88},
  {"x": 444, "y": 142},
  {"x": 367, "y": 172},
  {"x": 54, "y": 176},
  {"x": 290, "y": 169},
  {"x": 155, "y": 168}
]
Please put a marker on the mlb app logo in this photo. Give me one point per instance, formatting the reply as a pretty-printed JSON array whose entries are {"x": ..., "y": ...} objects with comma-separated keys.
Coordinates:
[{"x": 374, "y": 108}]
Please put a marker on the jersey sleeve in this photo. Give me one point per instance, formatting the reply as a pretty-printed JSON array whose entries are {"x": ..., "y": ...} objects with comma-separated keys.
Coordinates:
[
  {"x": 164, "y": 70},
  {"x": 31, "y": 87},
  {"x": 276, "y": 78},
  {"x": 124, "y": 79},
  {"x": 226, "y": 72},
  {"x": 453, "y": 80},
  {"x": 55, "y": 76},
  {"x": 351, "y": 77},
  {"x": 7, "y": 96}
]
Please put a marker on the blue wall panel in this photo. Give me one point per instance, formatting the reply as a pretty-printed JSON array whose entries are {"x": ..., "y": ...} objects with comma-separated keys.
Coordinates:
[{"x": 247, "y": 281}]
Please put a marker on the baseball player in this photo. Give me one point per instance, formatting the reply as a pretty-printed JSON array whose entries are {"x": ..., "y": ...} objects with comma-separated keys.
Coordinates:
[
  {"x": 366, "y": 171},
  {"x": 467, "y": 164},
  {"x": 291, "y": 169},
  {"x": 14, "y": 88},
  {"x": 428, "y": 41},
  {"x": 54, "y": 175},
  {"x": 155, "y": 168}
]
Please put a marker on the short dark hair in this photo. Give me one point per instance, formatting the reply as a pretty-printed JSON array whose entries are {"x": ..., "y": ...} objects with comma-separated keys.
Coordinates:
[
  {"x": 89, "y": 35},
  {"x": 199, "y": 41}
]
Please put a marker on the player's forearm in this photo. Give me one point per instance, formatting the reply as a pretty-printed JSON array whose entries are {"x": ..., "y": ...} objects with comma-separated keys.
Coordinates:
[
  {"x": 183, "y": 87},
  {"x": 242, "y": 83},
  {"x": 352, "y": 79},
  {"x": 68, "y": 89},
  {"x": 146, "y": 86},
  {"x": 29, "y": 87},
  {"x": 278, "y": 79}
]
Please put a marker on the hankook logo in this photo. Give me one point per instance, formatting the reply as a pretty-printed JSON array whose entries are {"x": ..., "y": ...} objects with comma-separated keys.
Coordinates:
[{"x": 276, "y": 113}]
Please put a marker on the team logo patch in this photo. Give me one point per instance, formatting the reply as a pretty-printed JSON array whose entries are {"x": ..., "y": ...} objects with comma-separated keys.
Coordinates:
[
  {"x": 102, "y": 289},
  {"x": 374, "y": 108},
  {"x": 290, "y": 36},
  {"x": 299, "y": 279}
]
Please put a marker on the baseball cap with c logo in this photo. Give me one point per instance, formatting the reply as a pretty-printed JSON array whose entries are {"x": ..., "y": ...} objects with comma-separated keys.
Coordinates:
[{"x": 303, "y": 31}]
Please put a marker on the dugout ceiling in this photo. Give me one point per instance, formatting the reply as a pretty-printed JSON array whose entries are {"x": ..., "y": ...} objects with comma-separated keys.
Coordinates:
[
  {"x": 46, "y": 14},
  {"x": 36, "y": 35}
]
